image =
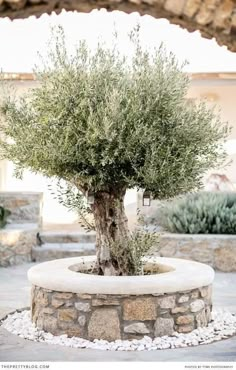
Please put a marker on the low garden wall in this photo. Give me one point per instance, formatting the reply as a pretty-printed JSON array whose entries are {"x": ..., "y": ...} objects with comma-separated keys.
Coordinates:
[
  {"x": 219, "y": 251},
  {"x": 16, "y": 244},
  {"x": 19, "y": 236},
  {"x": 25, "y": 207},
  {"x": 126, "y": 307}
]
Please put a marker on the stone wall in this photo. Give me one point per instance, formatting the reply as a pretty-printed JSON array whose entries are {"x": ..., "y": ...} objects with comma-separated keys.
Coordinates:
[
  {"x": 213, "y": 18},
  {"x": 25, "y": 207},
  {"x": 19, "y": 236},
  {"x": 16, "y": 245},
  {"x": 218, "y": 251},
  {"x": 111, "y": 317}
]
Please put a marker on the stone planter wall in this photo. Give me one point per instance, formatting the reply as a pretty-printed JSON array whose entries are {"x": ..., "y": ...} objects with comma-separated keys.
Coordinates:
[
  {"x": 112, "y": 317},
  {"x": 219, "y": 251},
  {"x": 120, "y": 307}
]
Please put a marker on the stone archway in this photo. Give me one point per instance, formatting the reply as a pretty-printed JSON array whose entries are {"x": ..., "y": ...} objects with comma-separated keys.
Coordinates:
[{"x": 213, "y": 18}]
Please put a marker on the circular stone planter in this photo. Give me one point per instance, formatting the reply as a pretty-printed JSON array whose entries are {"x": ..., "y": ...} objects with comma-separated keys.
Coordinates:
[{"x": 64, "y": 301}]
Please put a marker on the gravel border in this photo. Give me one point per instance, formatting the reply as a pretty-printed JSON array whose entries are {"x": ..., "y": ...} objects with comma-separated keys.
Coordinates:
[{"x": 221, "y": 327}]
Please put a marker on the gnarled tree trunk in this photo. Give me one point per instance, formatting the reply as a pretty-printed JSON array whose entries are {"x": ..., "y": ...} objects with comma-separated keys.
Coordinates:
[{"x": 111, "y": 226}]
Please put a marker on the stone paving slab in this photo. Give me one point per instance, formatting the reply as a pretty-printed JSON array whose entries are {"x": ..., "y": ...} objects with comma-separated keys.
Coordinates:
[{"x": 15, "y": 293}]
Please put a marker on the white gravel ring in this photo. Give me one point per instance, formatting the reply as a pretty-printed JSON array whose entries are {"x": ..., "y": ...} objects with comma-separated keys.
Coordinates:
[{"x": 221, "y": 327}]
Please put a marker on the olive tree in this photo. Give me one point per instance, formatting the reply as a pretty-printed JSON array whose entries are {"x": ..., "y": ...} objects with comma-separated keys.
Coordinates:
[{"x": 105, "y": 122}]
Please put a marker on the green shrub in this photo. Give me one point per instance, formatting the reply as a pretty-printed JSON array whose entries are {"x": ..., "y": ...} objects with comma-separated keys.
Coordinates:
[
  {"x": 200, "y": 213},
  {"x": 4, "y": 213},
  {"x": 134, "y": 249}
]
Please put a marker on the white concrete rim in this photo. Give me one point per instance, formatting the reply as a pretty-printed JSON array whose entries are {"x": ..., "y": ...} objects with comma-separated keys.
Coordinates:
[{"x": 55, "y": 275}]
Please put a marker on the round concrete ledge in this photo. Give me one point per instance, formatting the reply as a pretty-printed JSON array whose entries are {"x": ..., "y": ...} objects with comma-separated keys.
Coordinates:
[{"x": 182, "y": 275}]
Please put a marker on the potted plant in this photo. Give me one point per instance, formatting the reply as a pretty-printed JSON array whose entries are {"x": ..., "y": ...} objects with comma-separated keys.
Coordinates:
[{"x": 104, "y": 123}]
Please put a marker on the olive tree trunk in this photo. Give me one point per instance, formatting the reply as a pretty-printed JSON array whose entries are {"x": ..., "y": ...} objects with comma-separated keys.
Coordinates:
[{"x": 111, "y": 227}]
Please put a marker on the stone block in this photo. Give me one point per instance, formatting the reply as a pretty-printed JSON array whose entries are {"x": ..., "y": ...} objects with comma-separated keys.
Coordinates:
[
  {"x": 208, "y": 314},
  {"x": 163, "y": 326},
  {"x": 140, "y": 309},
  {"x": 175, "y": 7},
  {"x": 74, "y": 331},
  {"x": 67, "y": 314},
  {"x": 207, "y": 11},
  {"x": 201, "y": 319},
  {"x": 204, "y": 291},
  {"x": 104, "y": 324},
  {"x": 151, "y": 2},
  {"x": 105, "y": 302},
  {"x": 57, "y": 303},
  {"x": 42, "y": 298},
  {"x": 180, "y": 309},
  {"x": 185, "y": 319},
  {"x": 70, "y": 328},
  {"x": 195, "y": 294},
  {"x": 167, "y": 302},
  {"x": 223, "y": 14},
  {"x": 82, "y": 320},
  {"x": 83, "y": 306},
  {"x": 48, "y": 310},
  {"x": 84, "y": 296},
  {"x": 197, "y": 305},
  {"x": 136, "y": 328},
  {"x": 62, "y": 295},
  {"x": 191, "y": 7},
  {"x": 183, "y": 299},
  {"x": 233, "y": 24},
  {"x": 49, "y": 324},
  {"x": 201, "y": 251},
  {"x": 185, "y": 329},
  {"x": 225, "y": 258}
]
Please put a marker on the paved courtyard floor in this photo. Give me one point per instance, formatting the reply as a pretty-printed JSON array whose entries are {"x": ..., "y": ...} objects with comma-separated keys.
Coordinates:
[{"x": 15, "y": 293}]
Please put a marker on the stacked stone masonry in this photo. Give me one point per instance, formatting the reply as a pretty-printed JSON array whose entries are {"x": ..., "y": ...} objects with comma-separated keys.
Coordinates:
[
  {"x": 16, "y": 246},
  {"x": 213, "y": 18},
  {"x": 25, "y": 207},
  {"x": 19, "y": 236},
  {"x": 112, "y": 317},
  {"x": 218, "y": 251}
]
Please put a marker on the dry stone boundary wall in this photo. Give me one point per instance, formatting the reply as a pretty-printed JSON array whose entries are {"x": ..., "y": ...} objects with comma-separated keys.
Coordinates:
[
  {"x": 19, "y": 236},
  {"x": 213, "y": 18}
]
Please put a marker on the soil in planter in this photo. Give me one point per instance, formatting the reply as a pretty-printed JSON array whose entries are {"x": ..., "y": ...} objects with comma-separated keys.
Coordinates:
[{"x": 149, "y": 269}]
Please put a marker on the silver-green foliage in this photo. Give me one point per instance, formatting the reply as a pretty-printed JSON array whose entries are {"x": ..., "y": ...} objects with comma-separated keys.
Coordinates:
[
  {"x": 74, "y": 200},
  {"x": 200, "y": 213},
  {"x": 130, "y": 258},
  {"x": 100, "y": 120}
]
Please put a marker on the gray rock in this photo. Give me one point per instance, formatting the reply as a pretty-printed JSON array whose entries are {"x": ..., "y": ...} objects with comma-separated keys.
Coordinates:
[
  {"x": 201, "y": 319},
  {"x": 183, "y": 299},
  {"x": 82, "y": 320},
  {"x": 137, "y": 328},
  {"x": 197, "y": 305},
  {"x": 82, "y": 306},
  {"x": 163, "y": 326},
  {"x": 167, "y": 302},
  {"x": 104, "y": 324}
]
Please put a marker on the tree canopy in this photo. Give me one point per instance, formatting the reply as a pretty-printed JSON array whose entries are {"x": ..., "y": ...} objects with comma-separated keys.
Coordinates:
[{"x": 100, "y": 120}]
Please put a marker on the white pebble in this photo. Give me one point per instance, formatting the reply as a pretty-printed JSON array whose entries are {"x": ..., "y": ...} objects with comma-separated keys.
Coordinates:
[{"x": 222, "y": 326}]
